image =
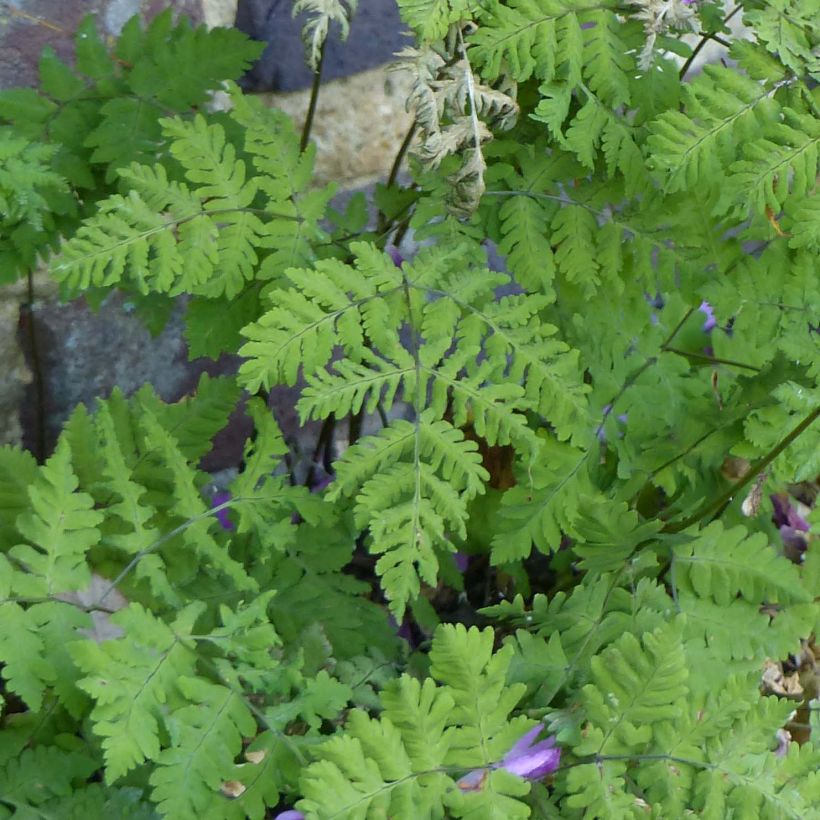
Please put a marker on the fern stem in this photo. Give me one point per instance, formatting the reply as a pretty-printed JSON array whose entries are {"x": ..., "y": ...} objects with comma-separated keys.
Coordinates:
[
  {"x": 27, "y": 309},
  {"x": 706, "y": 37},
  {"x": 711, "y": 359},
  {"x": 314, "y": 98},
  {"x": 322, "y": 449},
  {"x": 400, "y": 154},
  {"x": 168, "y": 536},
  {"x": 758, "y": 467},
  {"x": 354, "y": 427}
]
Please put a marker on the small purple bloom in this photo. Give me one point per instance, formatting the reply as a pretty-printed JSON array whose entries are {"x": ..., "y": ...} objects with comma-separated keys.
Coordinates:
[
  {"x": 462, "y": 561},
  {"x": 398, "y": 259},
  {"x": 526, "y": 759},
  {"x": 290, "y": 814},
  {"x": 532, "y": 760},
  {"x": 710, "y": 323},
  {"x": 220, "y": 498}
]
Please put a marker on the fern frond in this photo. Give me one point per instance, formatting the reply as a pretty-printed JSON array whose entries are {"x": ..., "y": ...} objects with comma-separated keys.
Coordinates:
[
  {"x": 26, "y": 178},
  {"x": 328, "y": 304},
  {"x": 60, "y": 527},
  {"x": 789, "y": 31},
  {"x": 26, "y": 669},
  {"x": 635, "y": 685},
  {"x": 39, "y": 775},
  {"x": 574, "y": 231},
  {"x": 784, "y": 164},
  {"x": 431, "y": 19},
  {"x": 190, "y": 505},
  {"x": 476, "y": 678},
  {"x": 544, "y": 504},
  {"x": 526, "y": 245},
  {"x": 457, "y": 718},
  {"x": 523, "y": 37},
  {"x": 130, "y": 678},
  {"x": 18, "y": 470},
  {"x": 207, "y": 734},
  {"x": 804, "y": 223},
  {"x": 723, "y": 109},
  {"x": 294, "y": 202},
  {"x": 353, "y": 386},
  {"x": 722, "y": 564},
  {"x": 321, "y": 14},
  {"x": 607, "y": 59}
]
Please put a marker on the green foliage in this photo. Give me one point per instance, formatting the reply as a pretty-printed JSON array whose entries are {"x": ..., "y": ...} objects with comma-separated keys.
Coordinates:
[
  {"x": 458, "y": 718},
  {"x": 603, "y": 424},
  {"x": 85, "y": 122}
]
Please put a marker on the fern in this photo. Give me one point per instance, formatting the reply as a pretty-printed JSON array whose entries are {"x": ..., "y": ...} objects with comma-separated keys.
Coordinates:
[
  {"x": 582, "y": 443},
  {"x": 393, "y": 764},
  {"x": 367, "y": 305},
  {"x": 431, "y": 19},
  {"x": 725, "y": 107},
  {"x": 315, "y": 30}
]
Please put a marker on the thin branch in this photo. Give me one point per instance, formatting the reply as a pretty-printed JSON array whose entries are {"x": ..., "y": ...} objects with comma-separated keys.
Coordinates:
[
  {"x": 322, "y": 449},
  {"x": 172, "y": 534},
  {"x": 314, "y": 98},
  {"x": 758, "y": 467},
  {"x": 705, "y": 39},
  {"x": 711, "y": 359},
  {"x": 383, "y": 222},
  {"x": 37, "y": 371},
  {"x": 400, "y": 154}
]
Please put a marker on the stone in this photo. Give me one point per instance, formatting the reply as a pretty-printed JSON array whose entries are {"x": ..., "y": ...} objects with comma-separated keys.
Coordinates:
[
  {"x": 28, "y": 26},
  {"x": 376, "y": 34},
  {"x": 354, "y": 150}
]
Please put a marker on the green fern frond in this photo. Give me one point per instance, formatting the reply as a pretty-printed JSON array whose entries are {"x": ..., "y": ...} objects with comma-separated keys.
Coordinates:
[
  {"x": 804, "y": 223},
  {"x": 26, "y": 179},
  {"x": 544, "y": 504},
  {"x": 207, "y": 734},
  {"x": 18, "y": 470},
  {"x": 526, "y": 245},
  {"x": 458, "y": 718},
  {"x": 60, "y": 527},
  {"x": 431, "y": 19},
  {"x": 635, "y": 685},
  {"x": 782, "y": 165},
  {"x": 130, "y": 679},
  {"x": 607, "y": 59},
  {"x": 789, "y": 31},
  {"x": 722, "y": 564},
  {"x": 723, "y": 110},
  {"x": 333, "y": 298},
  {"x": 190, "y": 505},
  {"x": 40, "y": 775},
  {"x": 522, "y": 39}
]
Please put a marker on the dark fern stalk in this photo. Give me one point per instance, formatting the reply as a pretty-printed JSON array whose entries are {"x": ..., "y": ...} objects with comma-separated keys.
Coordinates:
[{"x": 314, "y": 98}]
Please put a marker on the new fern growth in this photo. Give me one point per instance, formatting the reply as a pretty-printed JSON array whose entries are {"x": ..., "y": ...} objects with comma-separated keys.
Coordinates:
[{"x": 594, "y": 425}]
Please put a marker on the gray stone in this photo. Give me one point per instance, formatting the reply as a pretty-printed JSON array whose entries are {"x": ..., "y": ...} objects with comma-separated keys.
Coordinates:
[{"x": 376, "y": 34}]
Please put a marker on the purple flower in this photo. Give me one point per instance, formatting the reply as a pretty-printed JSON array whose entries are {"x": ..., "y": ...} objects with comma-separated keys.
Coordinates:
[
  {"x": 290, "y": 814},
  {"x": 462, "y": 561},
  {"x": 526, "y": 759},
  {"x": 398, "y": 259},
  {"x": 220, "y": 498},
  {"x": 530, "y": 760},
  {"x": 710, "y": 323}
]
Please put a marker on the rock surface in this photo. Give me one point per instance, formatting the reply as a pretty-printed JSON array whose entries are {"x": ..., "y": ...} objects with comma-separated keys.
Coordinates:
[
  {"x": 83, "y": 354},
  {"x": 376, "y": 34}
]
